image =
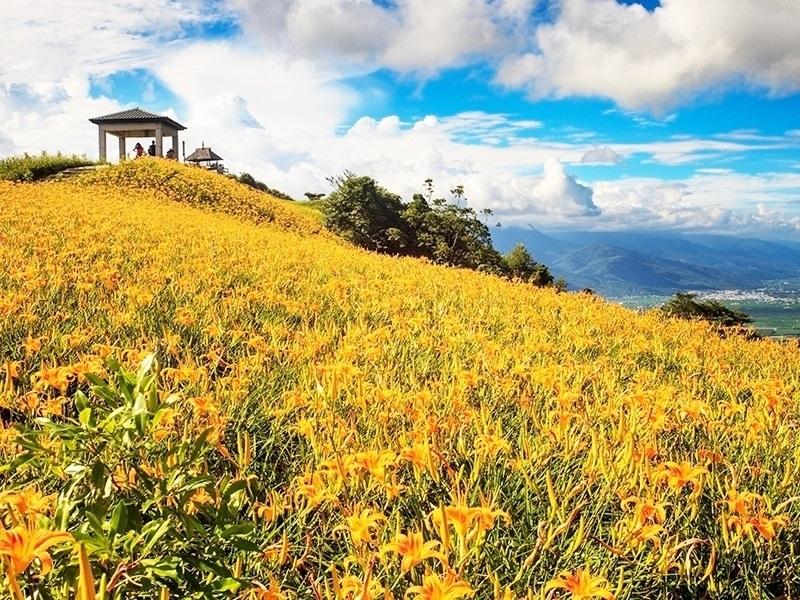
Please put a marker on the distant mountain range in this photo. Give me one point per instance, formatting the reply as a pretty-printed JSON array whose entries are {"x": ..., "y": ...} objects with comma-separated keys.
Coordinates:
[{"x": 619, "y": 264}]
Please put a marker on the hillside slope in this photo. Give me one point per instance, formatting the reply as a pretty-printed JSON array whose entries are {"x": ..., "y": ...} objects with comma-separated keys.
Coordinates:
[
  {"x": 523, "y": 432},
  {"x": 174, "y": 181}
]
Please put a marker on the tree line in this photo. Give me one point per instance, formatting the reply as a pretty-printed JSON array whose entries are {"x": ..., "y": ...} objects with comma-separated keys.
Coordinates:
[{"x": 445, "y": 232}]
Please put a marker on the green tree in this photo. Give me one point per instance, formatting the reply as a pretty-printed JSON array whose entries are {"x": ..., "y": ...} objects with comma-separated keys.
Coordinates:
[
  {"x": 520, "y": 264},
  {"x": 450, "y": 234},
  {"x": 366, "y": 214},
  {"x": 687, "y": 306}
]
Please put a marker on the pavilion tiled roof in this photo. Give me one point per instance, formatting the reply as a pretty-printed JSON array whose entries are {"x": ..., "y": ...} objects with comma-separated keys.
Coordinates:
[
  {"x": 203, "y": 154},
  {"x": 136, "y": 114}
]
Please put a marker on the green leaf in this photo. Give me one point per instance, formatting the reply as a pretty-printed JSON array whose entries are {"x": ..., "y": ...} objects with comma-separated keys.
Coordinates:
[
  {"x": 191, "y": 524},
  {"x": 162, "y": 530},
  {"x": 98, "y": 475},
  {"x": 229, "y": 584},
  {"x": 200, "y": 445},
  {"x": 237, "y": 530},
  {"x": 106, "y": 394},
  {"x": 145, "y": 366},
  {"x": 236, "y": 486},
  {"x": 94, "y": 524},
  {"x": 81, "y": 401},
  {"x": 195, "y": 483},
  {"x": 119, "y": 519},
  {"x": 210, "y": 567},
  {"x": 85, "y": 417},
  {"x": 162, "y": 567},
  {"x": 62, "y": 513},
  {"x": 94, "y": 380},
  {"x": 244, "y": 544},
  {"x": 75, "y": 469}
]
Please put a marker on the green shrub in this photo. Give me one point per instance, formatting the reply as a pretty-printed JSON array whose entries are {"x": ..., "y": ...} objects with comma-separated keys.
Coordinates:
[
  {"x": 254, "y": 183},
  {"x": 30, "y": 168},
  {"x": 520, "y": 264},
  {"x": 686, "y": 306},
  {"x": 143, "y": 482}
]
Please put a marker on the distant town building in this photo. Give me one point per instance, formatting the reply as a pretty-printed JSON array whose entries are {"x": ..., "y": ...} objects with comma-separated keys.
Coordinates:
[
  {"x": 137, "y": 123},
  {"x": 206, "y": 158}
]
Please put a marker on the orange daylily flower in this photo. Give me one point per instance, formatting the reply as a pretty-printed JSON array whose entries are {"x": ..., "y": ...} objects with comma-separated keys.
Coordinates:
[
  {"x": 581, "y": 585},
  {"x": 354, "y": 588},
  {"x": 22, "y": 544},
  {"x": 740, "y": 502},
  {"x": 646, "y": 510},
  {"x": 460, "y": 516},
  {"x": 362, "y": 525},
  {"x": 28, "y": 502},
  {"x": 679, "y": 475},
  {"x": 413, "y": 548},
  {"x": 261, "y": 592},
  {"x": 435, "y": 588}
]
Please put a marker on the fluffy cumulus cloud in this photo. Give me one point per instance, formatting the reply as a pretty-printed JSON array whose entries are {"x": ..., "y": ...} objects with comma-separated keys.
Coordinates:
[
  {"x": 558, "y": 189},
  {"x": 650, "y": 60},
  {"x": 93, "y": 36},
  {"x": 656, "y": 60},
  {"x": 406, "y": 35},
  {"x": 712, "y": 200}
]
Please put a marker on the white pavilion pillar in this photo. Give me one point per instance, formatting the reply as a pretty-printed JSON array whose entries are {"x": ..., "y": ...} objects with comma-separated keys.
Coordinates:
[
  {"x": 159, "y": 141},
  {"x": 123, "y": 152},
  {"x": 102, "y": 140}
]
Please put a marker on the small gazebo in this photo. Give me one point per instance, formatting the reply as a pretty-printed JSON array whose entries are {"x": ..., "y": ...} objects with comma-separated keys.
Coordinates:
[
  {"x": 205, "y": 157},
  {"x": 137, "y": 123}
]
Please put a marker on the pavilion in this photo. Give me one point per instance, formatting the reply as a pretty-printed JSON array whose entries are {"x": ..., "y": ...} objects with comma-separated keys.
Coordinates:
[
  {"x": 137, "y": 123},
  {"x": 205, "y": 157}
]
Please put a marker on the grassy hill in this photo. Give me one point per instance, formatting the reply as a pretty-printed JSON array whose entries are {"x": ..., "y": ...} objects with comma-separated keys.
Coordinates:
[{"x": 216, "y": 398}]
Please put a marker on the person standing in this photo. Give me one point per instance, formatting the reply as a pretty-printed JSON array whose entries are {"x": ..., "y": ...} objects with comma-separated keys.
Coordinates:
[
  {"x": 152, "y": 149},
  {"x": 139, "y": 149}
]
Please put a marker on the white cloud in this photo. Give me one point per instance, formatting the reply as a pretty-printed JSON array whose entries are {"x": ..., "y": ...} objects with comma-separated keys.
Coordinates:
[
  {"x": 6, "y": 144},
  {"x": 601, "y": 156},
  {"x": 714, "y": 171},
  {"x": 716, "y": 200},
  {"x": 433, "y": 35},
  {"x": 51, "y": 122},
  {"x": 342, "y": 29},
  {"x": 563, "y": 192},
  {"x": 686, "y": 150},
  {"x": 45, "y": 41},
  {"x": 659, "y": 59},
  {"x": 367, "y": 126},
  {"x": 408, "y": 36}
]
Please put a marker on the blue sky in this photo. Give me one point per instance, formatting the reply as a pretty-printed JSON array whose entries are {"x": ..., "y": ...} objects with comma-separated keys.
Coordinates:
[
  {"x": 602, "y": 122},
  {"x": 554, "y": 113}
]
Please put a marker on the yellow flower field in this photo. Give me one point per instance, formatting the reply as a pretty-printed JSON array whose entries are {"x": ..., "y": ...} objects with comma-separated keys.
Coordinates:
[{"x": 376, "y": 427}]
